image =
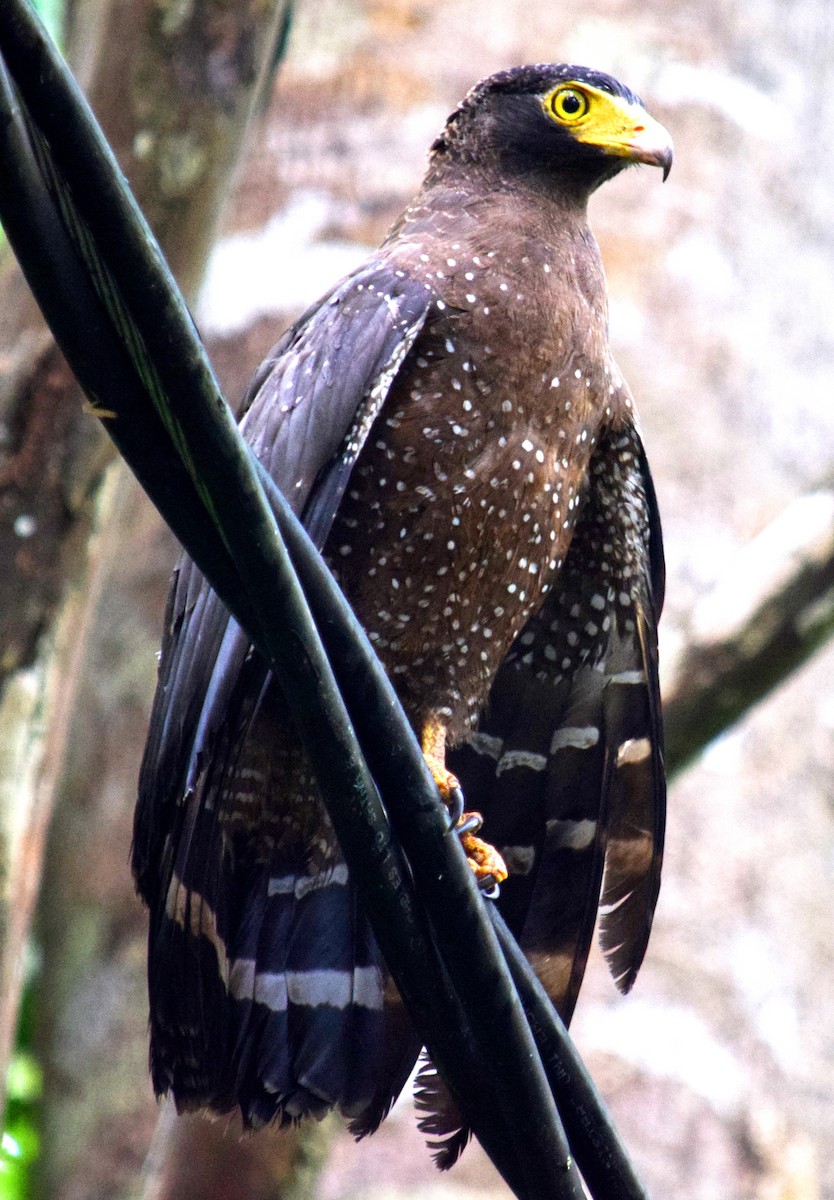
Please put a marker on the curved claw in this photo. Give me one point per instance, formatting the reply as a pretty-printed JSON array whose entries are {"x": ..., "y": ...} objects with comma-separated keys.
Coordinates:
[
  {"x": 454, "y": 802},
  {"x": 468, "y": 823},
  {"x": 490, "y": 887}
]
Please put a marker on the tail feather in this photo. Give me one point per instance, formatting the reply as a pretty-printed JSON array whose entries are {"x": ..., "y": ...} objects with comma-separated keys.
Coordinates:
[
  {"x": 270, "y": 1014},
  {"x": 637, "y": 811},
  {"x": 268, "y": 991},
  {"x": 397, "y": 1055},
  {"x": 440, "y": 1119}
]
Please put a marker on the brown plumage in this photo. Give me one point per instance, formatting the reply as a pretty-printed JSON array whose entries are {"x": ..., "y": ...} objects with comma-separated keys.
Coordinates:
[{"x": 450, "y": 426}]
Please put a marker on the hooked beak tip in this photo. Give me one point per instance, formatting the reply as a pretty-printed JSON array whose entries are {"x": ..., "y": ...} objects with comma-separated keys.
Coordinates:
[
  {"x": 657, "y": 155},
  {"x": 651, "y": 143}
]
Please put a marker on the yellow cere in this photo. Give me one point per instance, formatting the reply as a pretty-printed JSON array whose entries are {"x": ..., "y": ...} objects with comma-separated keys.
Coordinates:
[{"x": 598, "y": 118}]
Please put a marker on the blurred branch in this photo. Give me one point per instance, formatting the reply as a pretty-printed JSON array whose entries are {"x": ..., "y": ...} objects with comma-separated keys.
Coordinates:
[{"x": 767, "y": 614}]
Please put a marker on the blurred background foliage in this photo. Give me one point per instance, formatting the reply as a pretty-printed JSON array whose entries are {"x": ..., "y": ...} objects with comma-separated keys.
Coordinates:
[{"x": 719, "y": 1067}]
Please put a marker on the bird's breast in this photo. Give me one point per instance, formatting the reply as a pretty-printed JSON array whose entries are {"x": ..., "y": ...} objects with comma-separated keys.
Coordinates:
[{"x": 461, "y": 506}]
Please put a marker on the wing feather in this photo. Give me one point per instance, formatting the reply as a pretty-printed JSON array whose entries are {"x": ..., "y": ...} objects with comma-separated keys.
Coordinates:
[
  {"x": 228, "y": 937},
  {"x": 634, "y": 720},
  {"x": 566, "y": 764}
]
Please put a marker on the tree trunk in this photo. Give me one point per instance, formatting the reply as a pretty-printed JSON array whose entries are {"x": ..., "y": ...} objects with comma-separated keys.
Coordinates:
[{"x": 195, "y": 1159}]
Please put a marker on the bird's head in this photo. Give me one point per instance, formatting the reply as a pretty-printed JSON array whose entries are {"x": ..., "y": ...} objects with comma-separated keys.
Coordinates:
[{"x": 564, "y": 125}]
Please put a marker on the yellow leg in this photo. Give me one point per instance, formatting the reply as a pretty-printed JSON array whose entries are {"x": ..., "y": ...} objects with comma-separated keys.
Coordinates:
[
  {"x": 483, "y": 858},
  {"x": 433, "y": 742}
]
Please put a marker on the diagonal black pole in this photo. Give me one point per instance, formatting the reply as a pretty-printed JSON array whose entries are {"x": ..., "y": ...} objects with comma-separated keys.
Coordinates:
[
  {"x": 394, "y": 760},
  {"x": 606, "y": 1168}
]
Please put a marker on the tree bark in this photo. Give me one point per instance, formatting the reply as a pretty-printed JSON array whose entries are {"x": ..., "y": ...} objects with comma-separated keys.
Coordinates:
[
  {"x": 195, "y": 1159},
  {"x": 761, "y": 621}
]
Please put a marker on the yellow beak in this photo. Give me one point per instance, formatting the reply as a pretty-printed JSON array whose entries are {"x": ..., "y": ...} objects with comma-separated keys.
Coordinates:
[
  {"x": 626, "y": 131},
  {"x": 648, "y": 142}
]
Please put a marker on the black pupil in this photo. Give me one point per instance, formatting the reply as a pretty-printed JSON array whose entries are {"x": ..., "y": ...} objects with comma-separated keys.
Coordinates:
[{"x": 571, "y": 103}]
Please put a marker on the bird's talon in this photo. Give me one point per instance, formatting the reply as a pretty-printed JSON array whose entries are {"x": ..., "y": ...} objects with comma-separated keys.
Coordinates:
[
  {"x": 468, "y": 823},
  {"x": 483, "y": 858},
  {"x": 454, "y": 803},
  {"x": 489, "y": 887}
]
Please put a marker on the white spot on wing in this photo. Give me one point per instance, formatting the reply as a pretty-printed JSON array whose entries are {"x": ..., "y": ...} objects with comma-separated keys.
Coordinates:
[
  {"x": 571, "y": 835},
  {"x": 521, "y": 758},
  {"x": 628, "y": 677},
  {"x": 574, "y": 737},
  {"x": 634, "y": 750}
]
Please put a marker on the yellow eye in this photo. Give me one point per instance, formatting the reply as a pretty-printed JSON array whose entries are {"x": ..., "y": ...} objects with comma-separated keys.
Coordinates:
[{"x": 568, "y": 104}]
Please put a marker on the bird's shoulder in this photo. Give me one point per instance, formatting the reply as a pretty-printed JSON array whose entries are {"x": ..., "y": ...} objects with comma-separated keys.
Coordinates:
[
  {"x": 502, "y": 253},
  {"x": 318, "y": 390}
]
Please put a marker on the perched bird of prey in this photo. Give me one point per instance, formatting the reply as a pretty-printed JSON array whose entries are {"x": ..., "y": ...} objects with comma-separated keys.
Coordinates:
[{"x": 450, "y": 426}]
